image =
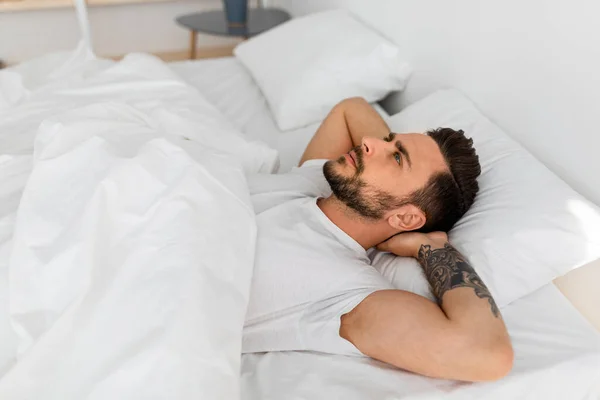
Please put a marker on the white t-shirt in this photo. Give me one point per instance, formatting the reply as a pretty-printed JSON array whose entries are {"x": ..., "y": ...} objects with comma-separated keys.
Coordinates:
[{"x": 307, "y": 272}]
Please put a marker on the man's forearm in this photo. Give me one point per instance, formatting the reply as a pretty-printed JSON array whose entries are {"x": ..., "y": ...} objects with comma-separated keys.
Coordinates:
[
  {"x": 344, "y": 128},
  {"x": 470, "y": 308},
  {"x": 446, "y": 269},
  {"x": 363, "y": 120}
]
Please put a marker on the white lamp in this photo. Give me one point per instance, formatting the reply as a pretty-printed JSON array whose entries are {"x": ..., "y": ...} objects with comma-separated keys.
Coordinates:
[{"x": 84, "y": 24}]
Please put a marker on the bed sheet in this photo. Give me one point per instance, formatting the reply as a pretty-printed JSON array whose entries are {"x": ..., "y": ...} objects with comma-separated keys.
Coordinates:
[
  {"x": 557, "y": 356},
  {"x": 227, "y": 84}
]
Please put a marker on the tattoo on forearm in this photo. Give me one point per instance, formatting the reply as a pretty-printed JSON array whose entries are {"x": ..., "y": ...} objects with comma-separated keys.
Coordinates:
[{"x": 447, "y": 269}]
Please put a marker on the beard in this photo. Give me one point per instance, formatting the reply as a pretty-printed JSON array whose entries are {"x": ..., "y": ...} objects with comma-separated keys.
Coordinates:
[{"x": 370, "y": 203}]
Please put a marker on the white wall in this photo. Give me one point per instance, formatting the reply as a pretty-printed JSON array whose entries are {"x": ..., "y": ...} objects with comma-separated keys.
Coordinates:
[
  {"x": 115, "y": 29},
  {"x": 532, "y": 66}
]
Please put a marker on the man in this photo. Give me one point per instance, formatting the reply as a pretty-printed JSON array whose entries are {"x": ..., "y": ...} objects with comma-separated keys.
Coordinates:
[{"x": 313, "y": 286}]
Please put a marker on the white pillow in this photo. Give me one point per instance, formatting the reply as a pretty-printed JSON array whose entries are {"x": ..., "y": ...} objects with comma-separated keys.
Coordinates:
[
  {"x": 307, "y": 65},
  {"x": 526, "y": 226}
]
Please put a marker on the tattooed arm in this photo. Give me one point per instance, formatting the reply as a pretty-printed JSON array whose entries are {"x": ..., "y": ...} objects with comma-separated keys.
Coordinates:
[{"x": 461, "y": 337}]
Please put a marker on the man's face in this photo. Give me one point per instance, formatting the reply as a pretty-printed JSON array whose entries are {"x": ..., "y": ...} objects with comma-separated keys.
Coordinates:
[{"x": 380, "y": 174}]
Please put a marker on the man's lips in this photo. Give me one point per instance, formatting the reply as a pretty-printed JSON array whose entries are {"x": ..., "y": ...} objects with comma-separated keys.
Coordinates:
[{"x": 350, "y": 159}]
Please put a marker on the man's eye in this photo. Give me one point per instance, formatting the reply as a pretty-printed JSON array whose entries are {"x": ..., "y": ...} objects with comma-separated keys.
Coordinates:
[{"x": 398, "y": 158}]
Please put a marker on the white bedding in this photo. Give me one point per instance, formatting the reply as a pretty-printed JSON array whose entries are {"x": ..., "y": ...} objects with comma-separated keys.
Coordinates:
[
  {"x": 129, "y": 269},
  {"x": 115, "y": 324}
]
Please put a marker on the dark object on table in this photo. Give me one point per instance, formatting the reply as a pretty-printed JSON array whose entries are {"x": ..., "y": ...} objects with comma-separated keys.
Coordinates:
[
  {"x": 215, "y": 23},
  {"x": 2, "y": 64},
  {"x": 236, "y": 12}
]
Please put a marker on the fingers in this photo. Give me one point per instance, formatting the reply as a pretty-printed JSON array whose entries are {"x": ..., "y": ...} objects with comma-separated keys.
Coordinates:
[
  {"x": 390, "y": 242},
  {"x": 438, "y": 235},
  {"x": 383, "y": 246}
]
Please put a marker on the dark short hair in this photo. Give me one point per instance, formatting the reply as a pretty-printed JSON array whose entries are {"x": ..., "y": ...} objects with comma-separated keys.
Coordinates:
[{"x": 447, "y": 196}]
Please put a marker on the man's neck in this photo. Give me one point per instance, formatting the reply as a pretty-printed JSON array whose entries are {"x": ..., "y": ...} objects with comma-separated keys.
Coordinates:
[{"x": 368, "y": 234}]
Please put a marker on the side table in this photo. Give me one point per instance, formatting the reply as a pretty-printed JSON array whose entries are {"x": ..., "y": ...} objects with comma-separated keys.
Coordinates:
[{"x": 215, "y": 23}]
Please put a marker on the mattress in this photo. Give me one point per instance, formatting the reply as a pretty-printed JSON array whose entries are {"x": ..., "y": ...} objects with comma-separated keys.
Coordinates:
[{"x": 227, "y": 84}]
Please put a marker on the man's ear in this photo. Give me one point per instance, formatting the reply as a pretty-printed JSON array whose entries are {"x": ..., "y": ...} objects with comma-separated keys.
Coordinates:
[{"x": 407, "y": 218}]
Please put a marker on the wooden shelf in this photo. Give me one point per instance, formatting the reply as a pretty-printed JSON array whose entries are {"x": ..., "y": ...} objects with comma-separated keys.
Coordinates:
[{"x": 29, "y": 5}]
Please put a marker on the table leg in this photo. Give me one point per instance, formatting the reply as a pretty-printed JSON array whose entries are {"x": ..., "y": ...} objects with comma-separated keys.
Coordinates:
[{"x": 193, "y": 37}]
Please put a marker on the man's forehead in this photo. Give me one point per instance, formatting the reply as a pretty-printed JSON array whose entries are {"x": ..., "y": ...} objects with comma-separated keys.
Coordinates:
[
  {"x": 422, "y": 149},
  {"x": 417, "y": 142}
]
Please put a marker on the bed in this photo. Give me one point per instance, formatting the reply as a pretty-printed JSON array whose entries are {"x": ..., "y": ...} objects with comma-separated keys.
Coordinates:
[
  {"x": 551, "y": 339},
  {"x": 178, "y": 353}
]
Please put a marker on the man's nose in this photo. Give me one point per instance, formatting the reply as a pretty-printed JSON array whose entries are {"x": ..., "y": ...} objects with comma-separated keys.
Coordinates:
[{"x": 370, "y": 145}]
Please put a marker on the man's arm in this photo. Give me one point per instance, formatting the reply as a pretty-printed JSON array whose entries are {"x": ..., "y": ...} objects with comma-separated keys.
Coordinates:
[
  {"x": 463, "y": 338},
  {"x": 345, "y": 126}
]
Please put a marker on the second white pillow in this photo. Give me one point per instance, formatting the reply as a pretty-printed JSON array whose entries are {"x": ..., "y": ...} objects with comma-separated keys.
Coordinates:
[{"x": 306, "y": 66}]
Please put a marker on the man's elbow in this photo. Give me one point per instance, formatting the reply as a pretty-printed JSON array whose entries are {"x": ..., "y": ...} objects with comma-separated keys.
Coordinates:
[
  {"x": 353, "y": 102},
  {"x": 497, "y": 361}
]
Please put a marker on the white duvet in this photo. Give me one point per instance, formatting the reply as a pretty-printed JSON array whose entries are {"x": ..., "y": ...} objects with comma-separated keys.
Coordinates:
[{"x": 128, "y": 261}]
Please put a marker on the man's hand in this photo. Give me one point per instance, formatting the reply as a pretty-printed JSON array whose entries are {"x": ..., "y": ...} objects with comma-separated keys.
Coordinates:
[{"x": 408, "y": 244}]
